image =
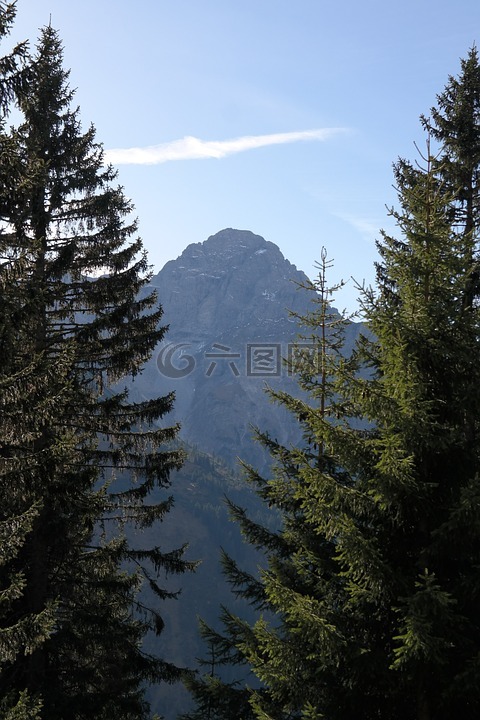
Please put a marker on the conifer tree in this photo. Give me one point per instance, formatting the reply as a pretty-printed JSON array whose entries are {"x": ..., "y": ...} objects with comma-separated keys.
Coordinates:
[
  {"x": 87, "y": 321},
  {"x": 454, "y": 124},
  {"x": 294, "y": 646},
  {"x": 424, "y": 402},
  {"x": 373, "y": 574},
  {"x": 23, "y": 398},
  {"x": 14, "y": 67},
  {"x": 214, "y": 698}
]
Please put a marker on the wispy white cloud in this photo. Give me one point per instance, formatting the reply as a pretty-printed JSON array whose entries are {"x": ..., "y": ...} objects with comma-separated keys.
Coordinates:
[
  {"x": 367, "y": 227},
  {"x": 192, "y": 148}
]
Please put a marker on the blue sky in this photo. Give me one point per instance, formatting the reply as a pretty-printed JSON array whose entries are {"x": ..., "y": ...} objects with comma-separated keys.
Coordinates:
[{"x": 273, "y": 116}]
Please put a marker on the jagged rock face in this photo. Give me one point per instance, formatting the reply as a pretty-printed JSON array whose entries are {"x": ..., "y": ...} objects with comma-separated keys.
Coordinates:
[
  {"x": 233, "y": 281},
  {"x": 227, "y": 303}
]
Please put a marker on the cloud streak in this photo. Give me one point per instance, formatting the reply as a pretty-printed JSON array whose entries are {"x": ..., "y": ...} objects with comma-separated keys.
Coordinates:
[{"x": 192, "y": 148}]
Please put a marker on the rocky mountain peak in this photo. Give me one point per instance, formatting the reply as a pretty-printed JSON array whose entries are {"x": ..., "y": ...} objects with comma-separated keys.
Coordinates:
[
  {"x": 225, "y": 281},
  {"x": 228, "y": 245},
  {"x": 227, "y": 301},
  {"x": 230, "y": 250}
]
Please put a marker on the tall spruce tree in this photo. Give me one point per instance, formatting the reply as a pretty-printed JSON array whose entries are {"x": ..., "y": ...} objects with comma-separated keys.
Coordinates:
[
  {"x": 14, "y": 68},
  {"x": 23, "y": 398},
  {"x": 373, "y": 574},
  {"x": 424, "y": 402},
  {"x": 295, "y": 645},
  {"x": 455, "y": 124},
  {"x": 85, "y": 310}
]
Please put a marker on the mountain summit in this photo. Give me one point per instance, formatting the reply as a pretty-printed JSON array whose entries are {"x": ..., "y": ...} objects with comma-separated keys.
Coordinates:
[
  {"x": 233, "y": 280},
  {"x": 227, "y": 303}
]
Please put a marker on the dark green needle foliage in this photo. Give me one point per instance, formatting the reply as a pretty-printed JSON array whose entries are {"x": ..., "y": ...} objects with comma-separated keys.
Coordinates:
[
  {"x": 454, "y": 124},
  {"x": 424, "y": 400},
  {"x": 23, "y": 387},
  {"x": 79, "y": 460},
  {"x": 214, "y": 697}
]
